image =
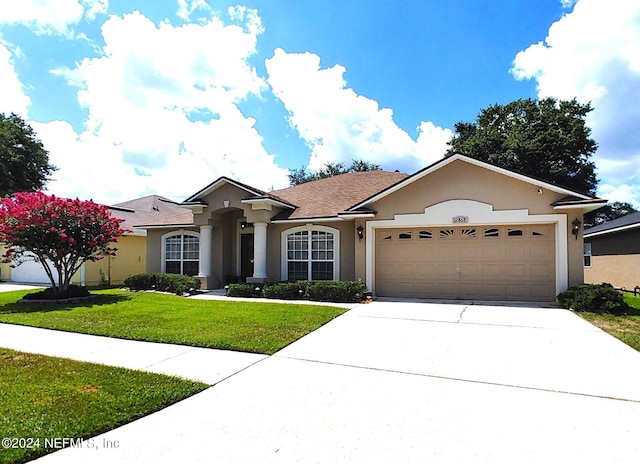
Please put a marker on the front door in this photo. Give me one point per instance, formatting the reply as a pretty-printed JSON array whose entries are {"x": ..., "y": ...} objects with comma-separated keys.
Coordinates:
[{"x": 246, "y": 255}]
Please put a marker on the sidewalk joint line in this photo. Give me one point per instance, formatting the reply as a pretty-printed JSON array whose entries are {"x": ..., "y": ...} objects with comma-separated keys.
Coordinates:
[
  {"x": 588, "y": 329},
  {"x": 481, "y": 382}
]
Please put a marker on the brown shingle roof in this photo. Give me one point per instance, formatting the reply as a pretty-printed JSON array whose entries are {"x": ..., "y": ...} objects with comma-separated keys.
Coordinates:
[
  {"x": 152, "y": 209},
  {"x": 332, "y": 195}
]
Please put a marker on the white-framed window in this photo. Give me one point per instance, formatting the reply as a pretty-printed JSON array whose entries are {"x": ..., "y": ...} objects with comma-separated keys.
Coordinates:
[
  {"x": 181, "y": 252},
  {"x": 587, "y": 254},
  {"x": 311, "y": 252}
]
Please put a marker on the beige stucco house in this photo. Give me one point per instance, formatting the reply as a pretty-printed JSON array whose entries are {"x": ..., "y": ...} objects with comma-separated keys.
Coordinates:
[
  {"x": 459, "y": 228},
  {"x": 612, "y": 252}
]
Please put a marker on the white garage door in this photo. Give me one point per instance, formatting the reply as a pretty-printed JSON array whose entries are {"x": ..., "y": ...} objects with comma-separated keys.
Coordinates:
[
  {"x": 514, "y": 262},
  {"x": 30, "y": 272}
]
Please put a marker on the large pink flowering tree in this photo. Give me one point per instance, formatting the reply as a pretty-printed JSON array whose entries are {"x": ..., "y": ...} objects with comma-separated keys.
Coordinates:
[{"x": 59, "y": 233}]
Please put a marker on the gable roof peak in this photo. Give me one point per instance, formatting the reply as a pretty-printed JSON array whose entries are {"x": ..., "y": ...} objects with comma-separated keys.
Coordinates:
[
  {"x": 219, "y": 182},
  {"x": 463, "y": 158}
]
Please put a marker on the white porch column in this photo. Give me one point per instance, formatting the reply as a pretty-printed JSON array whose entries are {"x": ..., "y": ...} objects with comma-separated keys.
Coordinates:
[
  {"x": 260, "y": 250},
  {"x": 206, "y": 246}
]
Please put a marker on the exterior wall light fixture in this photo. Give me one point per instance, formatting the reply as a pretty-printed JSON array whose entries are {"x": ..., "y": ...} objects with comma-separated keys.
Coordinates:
[
  {"x": 360, "y": 231},
  {"x": 575, "y": 227}
]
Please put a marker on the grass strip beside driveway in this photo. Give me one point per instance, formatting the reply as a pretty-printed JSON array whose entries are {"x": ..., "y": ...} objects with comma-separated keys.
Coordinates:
[
  {"x": 47, "y": 401},
  {"x": 256, "y": 327},
  {"x": 624, "y": 327}
]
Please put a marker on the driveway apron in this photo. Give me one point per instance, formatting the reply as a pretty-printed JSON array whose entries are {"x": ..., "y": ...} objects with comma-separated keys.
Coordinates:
[{"x": 408, "y": 382}]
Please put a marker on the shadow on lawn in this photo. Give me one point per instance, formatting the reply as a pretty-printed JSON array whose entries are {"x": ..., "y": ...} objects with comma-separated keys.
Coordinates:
[{"x": 101, "y": 300}]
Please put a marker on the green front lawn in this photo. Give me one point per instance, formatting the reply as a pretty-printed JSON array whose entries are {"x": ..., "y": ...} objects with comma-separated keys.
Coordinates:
[
  {"x": 45, "y": 400},
  {"x": 255, "y": 327},
  {"x": 626, "y": 328}
]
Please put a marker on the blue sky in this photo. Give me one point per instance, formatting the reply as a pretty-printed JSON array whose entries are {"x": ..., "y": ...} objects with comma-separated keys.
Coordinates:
[{"x": 133, "y": 97}]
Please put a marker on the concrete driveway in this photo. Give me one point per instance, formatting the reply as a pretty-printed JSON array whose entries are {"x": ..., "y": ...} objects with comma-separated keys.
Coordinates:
[{"x": 408, "y": 382}]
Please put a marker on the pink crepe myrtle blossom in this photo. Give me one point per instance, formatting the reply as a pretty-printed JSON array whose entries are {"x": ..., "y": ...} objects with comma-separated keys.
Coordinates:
[{"x": 56, "y": 232}]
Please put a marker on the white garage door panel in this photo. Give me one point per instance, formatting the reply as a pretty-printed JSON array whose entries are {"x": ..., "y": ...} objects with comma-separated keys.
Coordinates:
[
  {"x": 476, "y": 262},
  {"x": 30, "y": 272}
]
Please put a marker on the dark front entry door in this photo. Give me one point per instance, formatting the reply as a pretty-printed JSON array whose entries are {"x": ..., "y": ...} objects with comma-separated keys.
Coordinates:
[{"x": 246, "y": 255}]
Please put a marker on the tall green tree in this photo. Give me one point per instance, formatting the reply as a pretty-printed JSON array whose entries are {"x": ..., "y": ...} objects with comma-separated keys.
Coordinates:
[
  {"x": 302, "y": 175},
  {"x": 24, "y": 162},
  {"x": 545, "y": 139}
]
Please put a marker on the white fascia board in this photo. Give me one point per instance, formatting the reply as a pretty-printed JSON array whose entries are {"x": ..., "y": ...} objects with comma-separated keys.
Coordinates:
[
  {"x": 167, "y": 226},
  {"x": 585, "y": 207},
  {"x": 348, "y": 216},
  {"x": 307, "y": 220},
  {"x": 610, "y": 231}
]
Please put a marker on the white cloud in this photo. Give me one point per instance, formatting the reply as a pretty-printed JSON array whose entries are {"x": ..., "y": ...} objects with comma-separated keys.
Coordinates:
[
  {"x": 162, "y": 101},
  {"x": 50, "y": 16},
  {"x": 567, "y": 3},
  {"x": 88, "y": 166},
  {"x": 339, "y": 125},
  {"x": 12, "y": 96},
  {"x": 248, "y": 17},
  {"x": 629, "y": 193},
  {"x": 593, "y": 54},
  {"x": 187, "y": 7},
  {"x": 433, "y": 142},
  {"x": 94, "y": 7}
]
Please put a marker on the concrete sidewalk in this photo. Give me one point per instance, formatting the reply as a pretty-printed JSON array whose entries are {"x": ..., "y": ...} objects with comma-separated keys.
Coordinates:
[
  {"x": 408, "y": 382},
  {"x": 10, "y": 286},
  {"x": 201, "y": 364}
]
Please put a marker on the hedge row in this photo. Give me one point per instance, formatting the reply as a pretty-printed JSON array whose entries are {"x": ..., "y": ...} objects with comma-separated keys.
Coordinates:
[
  {"x": 172, "y": 283},
  {"x": 314, "y": 290},
  {"x": 595, "y": 298}
]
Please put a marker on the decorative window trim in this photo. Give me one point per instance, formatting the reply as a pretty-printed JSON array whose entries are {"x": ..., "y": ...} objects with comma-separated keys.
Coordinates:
[
  {"x": 446, "y": 234},
  {"x": 469, "y": 233},
  {"x": 515, "y": 232},
  {"x": 491, "y": 232},
  {"x": 310, "y": 228},
  {"x": 174, "y": 233}
]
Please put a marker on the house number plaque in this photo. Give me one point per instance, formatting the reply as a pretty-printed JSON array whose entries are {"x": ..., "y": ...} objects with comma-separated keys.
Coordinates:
[{"x": 460, "y": 219}]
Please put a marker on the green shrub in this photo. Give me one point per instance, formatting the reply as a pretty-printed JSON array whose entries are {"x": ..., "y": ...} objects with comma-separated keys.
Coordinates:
[
  {"x": 172, "y": 283},
  {"x": 595, "y": 298},
  {"x": 144, "y": 281},
  {"x": 314, "y": 290},
  {"x": 285, "y": 291},
  {"x": 336, "y": 291},
  {"x": 242, "y": 290}
]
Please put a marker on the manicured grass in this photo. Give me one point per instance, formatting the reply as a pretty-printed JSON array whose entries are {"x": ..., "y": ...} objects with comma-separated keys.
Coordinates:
[
  {"x": 626, "y": 328},
  {"x": 44, "y": 398},
  {"x": 255, "y": 327}
]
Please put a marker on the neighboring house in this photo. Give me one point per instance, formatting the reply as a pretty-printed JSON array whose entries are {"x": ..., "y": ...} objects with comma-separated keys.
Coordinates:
[
  {"x": 130, "y": 257},
  {"x": 612, "y": 252},
  {"x": 459, "y": 228}
]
